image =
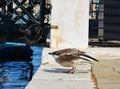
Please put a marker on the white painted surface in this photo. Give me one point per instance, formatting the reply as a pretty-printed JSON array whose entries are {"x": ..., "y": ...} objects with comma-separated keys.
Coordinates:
[
  {"x": 52, "y": 75},
  {"x": 71, "y": 17}
]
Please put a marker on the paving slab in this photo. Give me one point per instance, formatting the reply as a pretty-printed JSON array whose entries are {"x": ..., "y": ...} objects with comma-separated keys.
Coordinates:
[
  {"x": 54, "y": 76},
  {"x": 102, "y": 75},
  {"x": 60, "y": 84},
  {"x": 107, "y": 71},
  {"x": 51, "y": 75}
]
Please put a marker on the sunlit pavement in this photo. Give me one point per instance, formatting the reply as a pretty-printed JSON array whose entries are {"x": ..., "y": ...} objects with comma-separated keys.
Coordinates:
[
  {"x": 107, "y": 71},
  {"x": 103, "y": 75}
]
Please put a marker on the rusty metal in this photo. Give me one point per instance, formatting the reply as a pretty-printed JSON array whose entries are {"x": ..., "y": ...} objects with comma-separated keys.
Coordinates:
[{"x": 14, "y": 13}]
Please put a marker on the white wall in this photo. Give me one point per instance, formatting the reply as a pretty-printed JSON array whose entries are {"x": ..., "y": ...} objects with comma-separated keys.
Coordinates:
[{"x": 71, "y": 17}]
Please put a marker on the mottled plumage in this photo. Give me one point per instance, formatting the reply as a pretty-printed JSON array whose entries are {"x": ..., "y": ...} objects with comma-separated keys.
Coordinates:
[
  {"x": 68, "y": 51},
  {"x": 70, "y": 57}
]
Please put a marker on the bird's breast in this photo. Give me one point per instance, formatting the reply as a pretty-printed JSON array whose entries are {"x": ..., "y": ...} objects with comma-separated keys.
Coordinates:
[
  {"x": 64, "y": 63},
  {"x": 67, "y": 64}
]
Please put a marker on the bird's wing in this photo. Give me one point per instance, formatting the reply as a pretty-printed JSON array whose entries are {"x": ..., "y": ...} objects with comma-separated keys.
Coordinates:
[
  {"x": 78, "y": 57},
  {"x": 69, "y": 51},
  {"x": 85, "y": 55},
  {"x": 67, "y": 57},
  {"x": 59, "y": 52}
]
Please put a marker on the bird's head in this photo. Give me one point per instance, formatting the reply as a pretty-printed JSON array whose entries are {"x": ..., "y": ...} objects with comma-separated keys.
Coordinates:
[{"x": 50, "y": 53}]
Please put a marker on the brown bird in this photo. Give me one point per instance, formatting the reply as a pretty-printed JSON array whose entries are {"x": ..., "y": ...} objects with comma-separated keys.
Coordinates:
[{"x": 70, "y": 57}]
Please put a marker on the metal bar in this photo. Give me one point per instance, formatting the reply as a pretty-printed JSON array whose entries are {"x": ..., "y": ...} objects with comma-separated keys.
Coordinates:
[
  {"x": 24, "y": 9},
  {"x": 23, "y": 1},
  {"x": 42, "y": 11},
  {"x": 5, "y": 19}
]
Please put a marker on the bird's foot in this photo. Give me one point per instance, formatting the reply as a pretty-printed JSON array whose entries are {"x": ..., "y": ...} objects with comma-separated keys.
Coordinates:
[{"x": 71, "y": 71}]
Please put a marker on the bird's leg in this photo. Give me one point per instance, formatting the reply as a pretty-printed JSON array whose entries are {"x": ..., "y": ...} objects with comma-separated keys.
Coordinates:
[{"x": 72, "y": 71}]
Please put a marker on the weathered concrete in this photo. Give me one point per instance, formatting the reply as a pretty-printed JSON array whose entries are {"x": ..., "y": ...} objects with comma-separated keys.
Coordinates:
[
  {"x": 104, "y": 74},
  {"x": 52, "y": 75},
  {"x": 71, "y": 17},
  {"x": 107, "y": 71}
]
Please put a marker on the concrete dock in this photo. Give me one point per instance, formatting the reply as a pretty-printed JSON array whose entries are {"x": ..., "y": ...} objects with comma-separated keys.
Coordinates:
[
  {"x": 102, "y": 75},
  {"x": 107, "y": 72}
]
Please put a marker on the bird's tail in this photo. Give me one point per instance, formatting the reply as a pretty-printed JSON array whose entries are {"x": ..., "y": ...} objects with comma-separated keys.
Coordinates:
[{"x": 85, "y": 55}]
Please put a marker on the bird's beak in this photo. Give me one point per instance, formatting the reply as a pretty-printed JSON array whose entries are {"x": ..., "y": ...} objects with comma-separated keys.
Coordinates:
[{"x": 50, "y": 53}]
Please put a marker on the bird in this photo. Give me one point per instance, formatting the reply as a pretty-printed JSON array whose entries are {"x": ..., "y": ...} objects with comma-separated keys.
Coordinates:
[{"x": 71, "y": 57}]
